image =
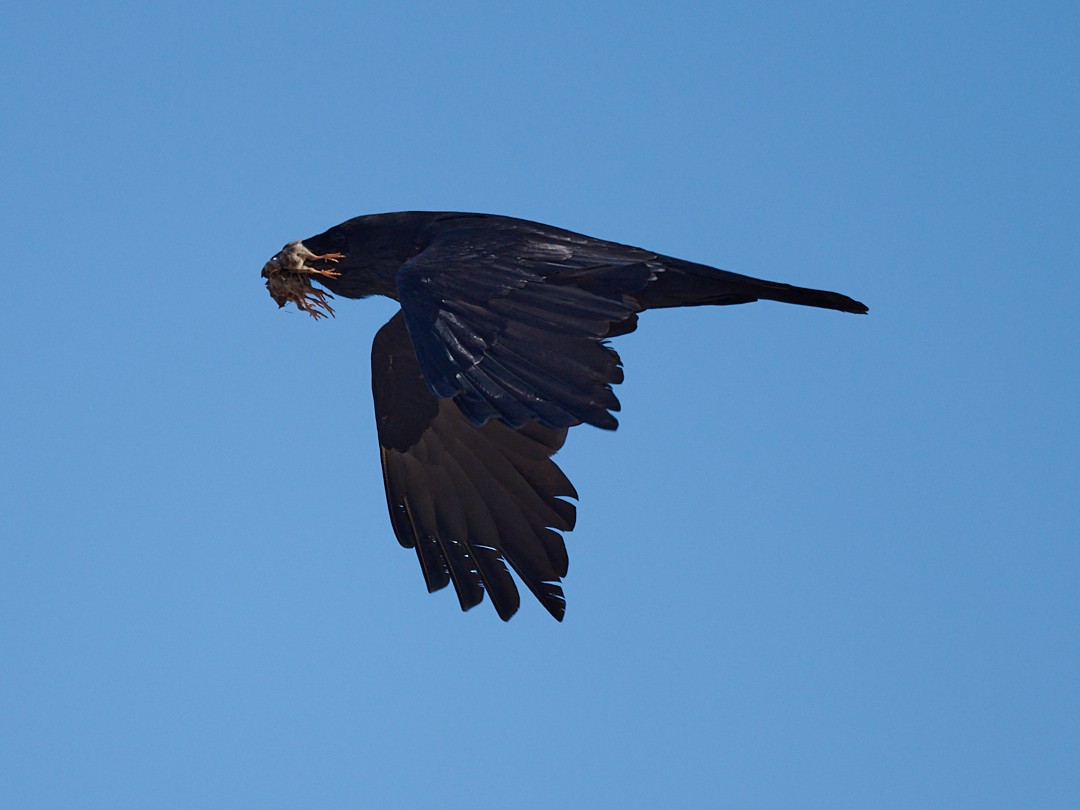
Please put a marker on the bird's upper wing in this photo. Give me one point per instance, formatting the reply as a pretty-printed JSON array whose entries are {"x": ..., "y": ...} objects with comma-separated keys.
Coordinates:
[
  {"x": 469, "y": 499},
  {"x": 509, "y": 318}
]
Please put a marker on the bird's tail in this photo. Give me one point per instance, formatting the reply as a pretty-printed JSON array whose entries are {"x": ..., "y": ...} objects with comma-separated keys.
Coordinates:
[{"x": 684, "y": 284}]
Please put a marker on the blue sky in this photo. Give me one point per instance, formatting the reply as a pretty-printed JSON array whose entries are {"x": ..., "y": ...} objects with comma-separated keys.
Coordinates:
[{"x": 826, "y": 561}]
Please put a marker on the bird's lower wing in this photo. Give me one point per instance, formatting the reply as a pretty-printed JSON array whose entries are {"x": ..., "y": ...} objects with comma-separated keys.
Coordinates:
[{"x": 471, "y": 500}]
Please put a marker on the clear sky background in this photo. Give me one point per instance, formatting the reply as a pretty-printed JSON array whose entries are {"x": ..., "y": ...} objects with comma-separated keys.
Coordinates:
[{"x": 826, "y": 561}]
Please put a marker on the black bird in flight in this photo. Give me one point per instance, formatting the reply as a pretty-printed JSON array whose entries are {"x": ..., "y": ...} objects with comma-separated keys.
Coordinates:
[{"x": 500, "y": 346}]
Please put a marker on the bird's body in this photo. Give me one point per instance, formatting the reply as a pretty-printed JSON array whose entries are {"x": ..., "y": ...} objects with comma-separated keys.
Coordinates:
[{"x": 499, "y": 348}]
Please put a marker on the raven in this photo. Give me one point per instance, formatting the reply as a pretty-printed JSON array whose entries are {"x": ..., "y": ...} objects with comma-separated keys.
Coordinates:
[{"x": 500, "y": 346}]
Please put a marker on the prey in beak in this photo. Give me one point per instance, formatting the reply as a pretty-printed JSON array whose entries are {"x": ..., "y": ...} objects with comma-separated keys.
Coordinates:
[{"x": 288, "y": 278}]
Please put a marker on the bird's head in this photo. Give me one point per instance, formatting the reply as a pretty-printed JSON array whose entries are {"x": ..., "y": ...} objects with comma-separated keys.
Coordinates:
[{"x": 288, "y": 278}]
